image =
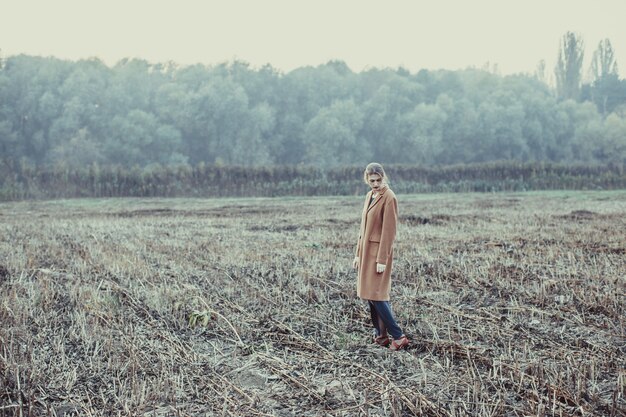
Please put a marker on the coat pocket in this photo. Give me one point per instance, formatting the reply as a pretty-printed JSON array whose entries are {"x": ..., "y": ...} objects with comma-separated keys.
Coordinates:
[
  {"x": 374, "y": 238},
  {"x": 373, "y": 248}
]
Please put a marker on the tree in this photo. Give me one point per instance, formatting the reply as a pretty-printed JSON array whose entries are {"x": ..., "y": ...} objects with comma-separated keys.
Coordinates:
[
  {"x": 589, "y": 133},
  {"x": 332, "y": 136},
  {"x": 383, "y": 110},
  {"x": 8, "y": 141},
  {"x": 250, "y": 143},
  {"x": 607, "y": 93},
  {"x": 460, "y": 132},
  {"x": 501, "y": 119},
  {"x": 288, "y": 146},
  {"x": 80, "y": 151},
  {"x": 605, "y": 89},
  {"x": 563, "y": 125},
  {"x": 603, "y": 62},
  {"x": 79, "y": 103},
  {"x": 421, "y": 135},
  {"x": 540, "y": 72},
  {"x": 613, "y": 146},
  {"x": 568, "y": 70},
  {"x": 139, "y": 138},
  {"x": 27, "y": 85}
]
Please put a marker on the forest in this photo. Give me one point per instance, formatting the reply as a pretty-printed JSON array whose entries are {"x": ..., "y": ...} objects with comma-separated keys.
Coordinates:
[{"x": 142, "y": 114}]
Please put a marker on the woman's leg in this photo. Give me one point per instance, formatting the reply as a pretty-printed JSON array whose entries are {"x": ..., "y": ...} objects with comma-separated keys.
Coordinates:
[
  {"x": 377, "y": 321},
  {"x": 383, "y": 310}
]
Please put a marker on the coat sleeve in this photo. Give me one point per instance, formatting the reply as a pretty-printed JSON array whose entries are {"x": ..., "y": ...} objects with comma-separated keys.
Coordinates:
[{"x": 388, "y": 235}]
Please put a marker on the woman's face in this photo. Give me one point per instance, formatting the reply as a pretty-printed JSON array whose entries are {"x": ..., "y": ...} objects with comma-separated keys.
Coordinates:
[{"x": 375, "y": 181}]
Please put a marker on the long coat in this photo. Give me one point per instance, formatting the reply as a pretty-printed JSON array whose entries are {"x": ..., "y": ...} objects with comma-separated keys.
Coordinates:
[{"x": 376, "y": 237}]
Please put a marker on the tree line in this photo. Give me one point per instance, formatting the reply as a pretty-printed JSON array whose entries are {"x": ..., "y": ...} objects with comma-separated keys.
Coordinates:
[{"x": 142, "y": 114}]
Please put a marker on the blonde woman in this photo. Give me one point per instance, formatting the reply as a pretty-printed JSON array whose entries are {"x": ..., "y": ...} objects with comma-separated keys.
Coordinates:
[{"x": 374, "y": 256}]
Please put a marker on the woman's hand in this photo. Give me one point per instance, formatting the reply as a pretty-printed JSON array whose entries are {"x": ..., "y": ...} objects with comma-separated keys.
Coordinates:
[
  {"x": 380, "y": 268},
  {"x": 355, "y": 263}
]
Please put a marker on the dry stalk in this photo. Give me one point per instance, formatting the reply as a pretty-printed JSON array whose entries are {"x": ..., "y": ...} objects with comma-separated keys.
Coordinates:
[{"x": 282, "y": 369}]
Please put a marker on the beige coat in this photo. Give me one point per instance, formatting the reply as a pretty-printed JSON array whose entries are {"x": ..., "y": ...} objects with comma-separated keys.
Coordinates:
[{"x": 378, "y": 232}]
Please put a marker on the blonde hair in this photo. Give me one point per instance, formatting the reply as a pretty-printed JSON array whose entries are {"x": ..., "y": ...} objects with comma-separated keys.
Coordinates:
[{"x": 375, "y": 168}]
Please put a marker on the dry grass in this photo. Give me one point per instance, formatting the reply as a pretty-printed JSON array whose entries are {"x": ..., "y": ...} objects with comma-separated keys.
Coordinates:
[{"x": 515, "y": 303}]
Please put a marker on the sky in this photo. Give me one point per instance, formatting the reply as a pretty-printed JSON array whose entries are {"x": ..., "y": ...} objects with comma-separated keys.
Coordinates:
[{"x": 513, "y": 35}]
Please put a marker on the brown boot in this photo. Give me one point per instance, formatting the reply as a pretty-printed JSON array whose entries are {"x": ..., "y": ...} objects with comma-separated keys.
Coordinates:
[
  {"x": 382, "y": 341},
  {"x": 399, "y": 344}
]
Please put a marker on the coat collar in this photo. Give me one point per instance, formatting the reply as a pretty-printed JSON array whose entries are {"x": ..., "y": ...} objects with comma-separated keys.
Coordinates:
[{"x": 380, "y": 197}]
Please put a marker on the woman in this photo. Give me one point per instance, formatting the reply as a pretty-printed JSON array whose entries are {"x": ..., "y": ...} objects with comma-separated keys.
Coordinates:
[{"x": 374, "y": 253}]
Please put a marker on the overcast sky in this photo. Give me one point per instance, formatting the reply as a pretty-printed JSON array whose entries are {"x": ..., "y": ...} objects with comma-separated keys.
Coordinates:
[{"x": 287, "y": 34}]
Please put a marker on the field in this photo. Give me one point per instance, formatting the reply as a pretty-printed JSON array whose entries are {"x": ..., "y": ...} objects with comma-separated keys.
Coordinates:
[{"x": 515, "y": 303}]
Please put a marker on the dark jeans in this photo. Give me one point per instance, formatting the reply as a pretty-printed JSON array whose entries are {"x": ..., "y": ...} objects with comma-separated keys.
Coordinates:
[{"x": 383, "y": 320}]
